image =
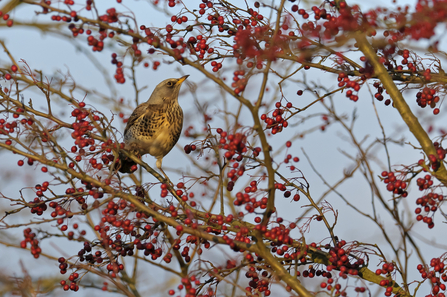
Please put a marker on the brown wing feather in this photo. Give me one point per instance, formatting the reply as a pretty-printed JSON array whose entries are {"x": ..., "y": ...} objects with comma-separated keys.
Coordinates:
[
  {"x": 138, "y": 112},
  {"x": 152, "y": 120},
  {"x": 153, "y": 115}
]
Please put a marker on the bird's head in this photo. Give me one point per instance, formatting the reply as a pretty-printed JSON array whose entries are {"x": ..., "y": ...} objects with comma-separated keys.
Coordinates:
[{"x": 167, "y": 90}]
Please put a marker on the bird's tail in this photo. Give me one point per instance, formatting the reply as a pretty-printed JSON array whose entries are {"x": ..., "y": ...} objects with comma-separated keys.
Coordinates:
[{"x": 124, "y": 164}]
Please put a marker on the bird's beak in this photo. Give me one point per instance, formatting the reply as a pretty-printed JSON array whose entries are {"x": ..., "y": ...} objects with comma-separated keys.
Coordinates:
[{"x": 181, "y": 79}]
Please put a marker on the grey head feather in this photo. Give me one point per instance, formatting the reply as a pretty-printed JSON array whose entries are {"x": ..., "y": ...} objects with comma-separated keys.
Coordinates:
[{"x": 167, "y": 90}]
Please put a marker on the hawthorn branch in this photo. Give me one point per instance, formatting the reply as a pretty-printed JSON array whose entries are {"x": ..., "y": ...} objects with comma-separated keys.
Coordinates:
[{"x": 401, "y": 105}]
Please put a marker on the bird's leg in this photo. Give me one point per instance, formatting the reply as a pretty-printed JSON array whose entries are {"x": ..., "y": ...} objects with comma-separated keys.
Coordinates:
[{"x": 158, "y": 164}]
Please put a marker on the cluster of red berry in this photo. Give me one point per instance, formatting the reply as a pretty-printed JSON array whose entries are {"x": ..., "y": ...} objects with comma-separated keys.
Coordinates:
[
  {"x": 97, "y": 44},
  {"x": 37, "y": 206},
  {"x": 86, "y": 124},
  {"x": 278, "y": 119},
  {"x": 259, "y": 281},
  {"x": 111, "y": 16},
  {"x": 397, "y": 186},
  {"x": 251, "y": 203},
  {"x": 378, "y": 95},
  {"x": 344, "y": 81},
  {"x": 119, "y": 72},
  {"x": 436, "y": 274},
  {"x": 429, "y": 204},
  {"x": 425, "y": 19},
  {"x": 73, "y": 285},
  {"x": 386, "y": 269},
  {"x": 13, "y": 126},
  {"x": 30, "y": 237},
  {"x": 63, "y": 265},
  {"x": 190, "y": 285},
  {"x": 341, "y": 260},
  {"x": 200, "y": 46},
  {"x": 238, "y": 83},
  {"x": 5, "y": 17},
  {"x": 63, "y": 18},
  {"x": 428, "y": 97}
]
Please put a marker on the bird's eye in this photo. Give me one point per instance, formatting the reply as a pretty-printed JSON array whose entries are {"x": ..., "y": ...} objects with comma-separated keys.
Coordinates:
[{"x": 170, "y": 84}]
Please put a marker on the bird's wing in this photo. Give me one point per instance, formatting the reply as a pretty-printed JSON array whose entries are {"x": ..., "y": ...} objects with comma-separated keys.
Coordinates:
[
  {"x": 152, "y": 114},
  {"x": 137, "y": 113},
  {"x": 155, "y": 118}
]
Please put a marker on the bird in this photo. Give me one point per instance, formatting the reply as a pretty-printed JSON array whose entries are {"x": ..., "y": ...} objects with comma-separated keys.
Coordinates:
[{"x": 154, "y": 126}]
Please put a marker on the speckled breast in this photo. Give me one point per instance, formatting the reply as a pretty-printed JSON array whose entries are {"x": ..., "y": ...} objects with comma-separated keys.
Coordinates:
[{"x": 156, "y": 135}]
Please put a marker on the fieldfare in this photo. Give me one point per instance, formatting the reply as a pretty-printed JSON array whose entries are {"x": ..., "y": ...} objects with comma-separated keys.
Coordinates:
[{"x": 154, "y": 126}]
